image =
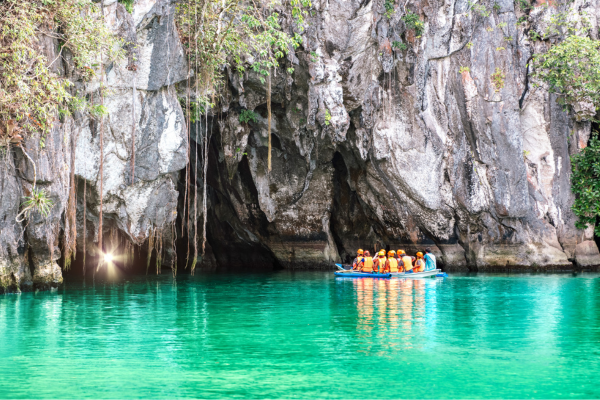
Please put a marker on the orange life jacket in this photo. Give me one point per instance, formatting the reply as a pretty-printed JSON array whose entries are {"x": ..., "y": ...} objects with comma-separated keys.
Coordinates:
[
  {"x": 407, "y": 263},
  {"x": 393, "y": 265},
  {"x": 367, "y": 264}
]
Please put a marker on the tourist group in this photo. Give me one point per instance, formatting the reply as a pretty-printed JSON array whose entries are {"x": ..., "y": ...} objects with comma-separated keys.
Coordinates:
[{"x": 394, "y": 262}]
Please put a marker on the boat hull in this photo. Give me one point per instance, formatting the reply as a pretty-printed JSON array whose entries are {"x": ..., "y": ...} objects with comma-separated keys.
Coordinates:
[
  {"x": 361, "y": 275},
  {"x": 416, "y": 275}
]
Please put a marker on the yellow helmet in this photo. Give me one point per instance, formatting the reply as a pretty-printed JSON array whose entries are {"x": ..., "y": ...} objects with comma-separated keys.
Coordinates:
[
  {"x": 419, "y": 255},
  {"x": 359, "y": 251},
  {"x": 382, "y": 253},
  {"x": 391, "y": 253},
  {"x": 401, "y": 252}
]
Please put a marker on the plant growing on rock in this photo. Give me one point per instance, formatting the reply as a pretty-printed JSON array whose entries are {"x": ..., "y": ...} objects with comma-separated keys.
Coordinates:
[
  {"x": 463, "y": 69},
  {"x": 412, "y": 21},
  {"x": 399, "y": 45},
  {"x": 128, "y": 4},
  {"x": 585, "y": 181},
  {"x": 570, "y": 68},
  {"x": 327, "y": 117},
  {"x": 389, "y": 8},
  {"x": 498, "y": 79},
  {"x": 247, "y": 116},
  {"x": 31, "y": 93},
  {"x": 37, "y": 201}
]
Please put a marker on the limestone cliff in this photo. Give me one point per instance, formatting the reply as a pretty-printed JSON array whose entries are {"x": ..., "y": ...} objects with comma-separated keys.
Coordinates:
[{"x": 375, "y": 144}]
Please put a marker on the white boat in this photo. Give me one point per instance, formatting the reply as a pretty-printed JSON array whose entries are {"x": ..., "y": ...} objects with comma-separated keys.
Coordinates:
[{"x": 415, "y": 275}]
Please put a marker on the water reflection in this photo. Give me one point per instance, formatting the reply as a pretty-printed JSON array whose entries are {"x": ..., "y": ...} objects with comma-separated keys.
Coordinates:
[
  {"x": 394, "y": 311},
  {"x": 302, "y": 335}
]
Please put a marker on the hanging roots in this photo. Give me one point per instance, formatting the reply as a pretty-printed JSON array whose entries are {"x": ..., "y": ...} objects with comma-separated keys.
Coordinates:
[{"x": 150, "y": 247}]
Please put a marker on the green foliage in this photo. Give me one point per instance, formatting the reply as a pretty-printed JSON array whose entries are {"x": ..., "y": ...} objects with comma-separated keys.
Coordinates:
[
  {"x": 570, "y": 68},
  {"x": 500, "y": 48},
  {"x": 524, "y": 5},
  {"x": 412, "y": 21},
  {"x": 469, "y": 45},
  {"x": 128, "y": 4},
  {"x": 327, "y": 117},
  {"x": 508, "y": 39},
  {"x": 399, "y": 45},
  {"x": 314, "y": 57},
  {"x": 463, "y": 69},
  {"x": 247, "y": 116},
  {"x": 489, "y": 29},
  {"x": 496, "y": 7},
  {"x": 498, "y": 79},
  {"x": 585, "y": 181},
  {"x": 480, "y": 9},
  {"x": 30, "y": 92},
  {"x": 502, "y": 25},
  {"x": 38, "y": 201},
  {"x": 235, "y": 33},
  {"x": 389, "y": 8},
  {"x": 522, "y": 20}
]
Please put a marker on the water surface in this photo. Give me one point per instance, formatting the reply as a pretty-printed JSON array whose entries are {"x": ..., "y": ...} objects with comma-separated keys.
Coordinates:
[{"x": 305, "y": 334}]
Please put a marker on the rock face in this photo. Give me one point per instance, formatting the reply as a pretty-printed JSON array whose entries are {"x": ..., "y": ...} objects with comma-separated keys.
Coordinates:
[
  {"x": 382, "y": 138},
  {"x": 139, "y": 90}
]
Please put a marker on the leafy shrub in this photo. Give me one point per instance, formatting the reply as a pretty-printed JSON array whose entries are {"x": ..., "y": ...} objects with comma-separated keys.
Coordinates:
[
  {"x": 412, "y": 21},
  {"x": 389, "y": 8},
  {"x": 585, "y": 181},
  {"x": 399, "y": 45},
  {"x": 247, "y": 116},
  {"x": 570, "y": 68},
  {"x": 128, "y": 4},
  {"x": 498, "y": 79},
  {"x": 463, "y": 69}
]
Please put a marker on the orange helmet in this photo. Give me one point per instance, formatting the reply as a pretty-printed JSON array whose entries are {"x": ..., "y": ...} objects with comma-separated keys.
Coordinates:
[
  {"x": 401, "y": 252},
  {"x": 391, "y": 253},
  {"x": 382, "y": 253},
  {"x": 359, "y": 251},
  {"x": 419, "y": 255}
]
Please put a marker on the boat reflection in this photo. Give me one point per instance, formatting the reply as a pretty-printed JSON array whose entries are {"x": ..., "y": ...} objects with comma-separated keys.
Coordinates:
[{"x": 396, "y": 311}]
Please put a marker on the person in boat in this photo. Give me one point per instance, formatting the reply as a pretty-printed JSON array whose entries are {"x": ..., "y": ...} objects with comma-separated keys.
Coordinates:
[
  {"x": 379, "y": 262},
  {"x": 357, "y": 260},
  {"x": 430, "y": 261},
  {"x": 399, "y": 259},
  {"x": 391, "y": 265},
  {"x": 407, "y": 262},
  {"x": 366, "y": 265},
  {"x": 420, "y": 263}
]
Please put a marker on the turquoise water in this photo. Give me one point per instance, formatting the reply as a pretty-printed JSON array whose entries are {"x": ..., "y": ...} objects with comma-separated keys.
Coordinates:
[{"x": 305, "y": 334}]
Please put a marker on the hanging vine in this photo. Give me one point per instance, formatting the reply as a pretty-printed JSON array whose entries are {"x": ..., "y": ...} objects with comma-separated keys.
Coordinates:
[{"x": 239, "y": 35}]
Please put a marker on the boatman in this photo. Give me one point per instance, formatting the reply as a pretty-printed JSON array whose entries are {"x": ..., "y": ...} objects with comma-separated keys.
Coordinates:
[
  {"x": 366, "y": 265},
  {"x": 379, "y": 262},
  {"x": 430, "y": 262},
  {"x": 391, "y": 264},
  {"x": 357, "y": 260}
]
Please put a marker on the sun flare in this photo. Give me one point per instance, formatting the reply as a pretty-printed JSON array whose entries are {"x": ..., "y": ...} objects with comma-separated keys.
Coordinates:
[{"x": 108, "y": 258}]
